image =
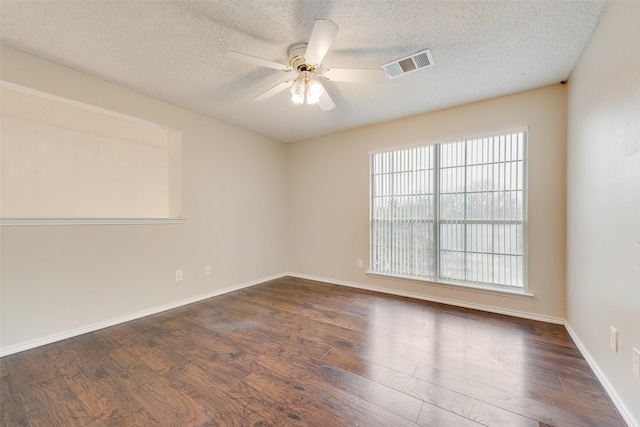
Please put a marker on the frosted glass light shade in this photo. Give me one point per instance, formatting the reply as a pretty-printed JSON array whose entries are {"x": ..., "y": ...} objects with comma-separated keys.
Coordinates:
[{"x": 306, "y": 90}]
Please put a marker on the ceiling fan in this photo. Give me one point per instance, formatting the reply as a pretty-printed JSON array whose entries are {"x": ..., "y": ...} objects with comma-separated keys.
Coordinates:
[{"x": 307, "y": 72}]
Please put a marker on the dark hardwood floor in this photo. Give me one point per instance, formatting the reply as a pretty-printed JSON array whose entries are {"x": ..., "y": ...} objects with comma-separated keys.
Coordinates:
[{"x": 294, "y": 352}]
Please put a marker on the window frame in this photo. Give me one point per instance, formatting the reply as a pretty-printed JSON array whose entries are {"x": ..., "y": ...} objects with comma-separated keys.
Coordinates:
[{"x": 437, "y": 222}]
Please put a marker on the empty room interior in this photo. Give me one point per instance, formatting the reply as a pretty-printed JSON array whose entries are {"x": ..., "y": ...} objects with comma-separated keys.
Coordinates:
[{"x": 204, "y": 223}]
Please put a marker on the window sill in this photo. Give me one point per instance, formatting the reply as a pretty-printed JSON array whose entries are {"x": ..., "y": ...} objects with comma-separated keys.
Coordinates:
[
  {"x": 21, "y": 222},
  {"x": 465, "y": 287}
]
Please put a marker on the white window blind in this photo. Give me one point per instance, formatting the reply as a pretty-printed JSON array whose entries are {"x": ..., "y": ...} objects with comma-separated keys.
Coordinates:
[{"x": 452, "y": 212}]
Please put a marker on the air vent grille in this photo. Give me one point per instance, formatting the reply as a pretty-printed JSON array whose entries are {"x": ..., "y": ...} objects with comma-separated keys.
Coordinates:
[
  {"x": 408, "y": 64},
  {"x": 393, "y": 70},
  {"x": 422, "y": 60}
]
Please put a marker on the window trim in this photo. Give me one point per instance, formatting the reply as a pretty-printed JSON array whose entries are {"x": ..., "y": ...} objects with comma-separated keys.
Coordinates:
[
  {"x": 522, "y": 292},
  {"x": 512, "y": 293}
]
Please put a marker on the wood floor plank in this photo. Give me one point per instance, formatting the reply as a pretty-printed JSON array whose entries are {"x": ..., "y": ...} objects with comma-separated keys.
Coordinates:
[
  {"x": 235, "y": 332},
  {"x": 526, "y": 385},
  {"x": 431, "y": 415},
  {"x": 466, "y": 339},
  {"x": 11, "y": 409},
  {"x": 309, "y": 310},
  {"x": 491, "y": 368},
  {"x": 296, "y": 352},
  {"x": 94, "y": 379},
  {"x": 149, "y": 385},
  {"x": 492, "y": 373},
  {"x": 196, "y": 340},
  {"x": 327, "y": 405},
  {"x": 310, "y": 410},
  {"x": 594, "y": 393},
  {"x": 45, "y": 396},
  {"x": 166, "y": 404},
  {"x": 536, "y": 409},
  {"x": 230, "y": 406},
  {"x": 458, "y": 403},
  {"x": 297, "y": 344},
  {"x": 300, "y": 290},
  {"x": 295, "y": 366},
  {"x": 235, "y": 312},
  {"x": 30, "y": 367},
  {"x": 230, "y": 364},
  {"x": 367, "y": 346}
]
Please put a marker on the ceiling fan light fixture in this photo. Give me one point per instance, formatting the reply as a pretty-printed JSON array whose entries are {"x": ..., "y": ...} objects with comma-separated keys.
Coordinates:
[
  {"x": 314, "y": 92},
  {"x": 305, "y": 63},
  {"x": 306, "y": 90},
  {"x": 298, "y": 92}
]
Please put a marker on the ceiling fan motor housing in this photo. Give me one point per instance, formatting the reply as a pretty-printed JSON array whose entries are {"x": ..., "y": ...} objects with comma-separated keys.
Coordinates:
[{"x": 297, "y": 60}]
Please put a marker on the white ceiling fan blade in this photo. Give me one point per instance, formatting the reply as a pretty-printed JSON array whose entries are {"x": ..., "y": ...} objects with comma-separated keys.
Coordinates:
[
  {"x": 274, "y": 90},
  {"x": 355, "y": 75},
  {"x": 257, "y": 61},
  {"x": 324, "y": 31},
  {"x": 325, "y": 102}
]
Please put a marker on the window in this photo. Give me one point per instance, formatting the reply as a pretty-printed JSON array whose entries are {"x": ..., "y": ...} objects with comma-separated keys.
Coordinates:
[{"x": 452, "y": 212}]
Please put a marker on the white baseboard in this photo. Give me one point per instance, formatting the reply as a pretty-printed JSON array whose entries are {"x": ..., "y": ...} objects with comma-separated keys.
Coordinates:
[
  {"x": 490, "y": 309},
  {"x": 112, "y": 322},
  {"x": 624, "y": 412}
]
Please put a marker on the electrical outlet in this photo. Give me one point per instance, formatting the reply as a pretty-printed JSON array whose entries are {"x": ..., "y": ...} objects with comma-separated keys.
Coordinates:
[
  {"x": 613, "y": 339},
  {"x": 179, "y": 275},
  {"x": 636, "y": 362},
  {"x": 359, "y": 263},
  {"x": 207, "y": 270}
]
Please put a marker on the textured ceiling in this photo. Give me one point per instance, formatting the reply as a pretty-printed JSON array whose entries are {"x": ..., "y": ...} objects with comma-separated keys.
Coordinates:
[{"x": 174, "y": 51}]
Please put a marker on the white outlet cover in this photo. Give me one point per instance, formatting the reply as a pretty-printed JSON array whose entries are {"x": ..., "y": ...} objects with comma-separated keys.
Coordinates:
[
  {"x": 613, "y": 339},
  {"x": 207, "y": 270},
  {"x": 636, "y": 362},
  {"x": 178, "y": 275}
]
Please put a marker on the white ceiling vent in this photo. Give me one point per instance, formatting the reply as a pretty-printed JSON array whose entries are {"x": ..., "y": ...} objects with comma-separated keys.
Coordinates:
[{"x": 408, "y": 64}]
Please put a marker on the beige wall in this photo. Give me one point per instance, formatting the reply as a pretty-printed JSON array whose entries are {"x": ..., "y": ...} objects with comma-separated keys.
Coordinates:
[
  {"x": 329, "y": 197},
  {"x": 57, "y": 279},
  {"x": 603, "y": 267}
]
